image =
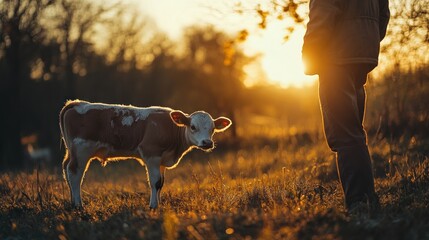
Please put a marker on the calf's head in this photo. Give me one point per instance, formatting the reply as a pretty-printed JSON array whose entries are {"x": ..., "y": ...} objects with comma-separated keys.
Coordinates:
[{"x": 200, "y": 127}]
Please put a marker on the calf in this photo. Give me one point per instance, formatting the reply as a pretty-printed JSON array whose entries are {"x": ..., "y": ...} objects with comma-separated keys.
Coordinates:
[{"x": 157, "y": 137}]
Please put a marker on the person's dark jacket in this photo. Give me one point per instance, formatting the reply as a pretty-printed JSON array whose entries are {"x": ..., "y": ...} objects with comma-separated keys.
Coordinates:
[{"x": 344, "y": 32}]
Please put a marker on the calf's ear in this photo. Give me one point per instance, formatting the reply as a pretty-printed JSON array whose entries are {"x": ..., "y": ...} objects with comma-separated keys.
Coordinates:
[
  {"x": 221, "y": 124},
  {"x": 179, "y": 118}
]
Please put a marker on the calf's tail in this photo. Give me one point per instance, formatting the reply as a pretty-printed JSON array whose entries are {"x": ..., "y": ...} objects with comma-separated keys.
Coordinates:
[{"x": 64, "y": 139}]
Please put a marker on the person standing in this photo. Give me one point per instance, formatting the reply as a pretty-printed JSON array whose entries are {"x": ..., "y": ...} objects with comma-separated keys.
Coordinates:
[{"x": 341, "y": 45}]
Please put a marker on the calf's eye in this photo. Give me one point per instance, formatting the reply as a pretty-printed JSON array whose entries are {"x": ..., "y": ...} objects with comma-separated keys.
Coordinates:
[{"x": 193, "y": 128}]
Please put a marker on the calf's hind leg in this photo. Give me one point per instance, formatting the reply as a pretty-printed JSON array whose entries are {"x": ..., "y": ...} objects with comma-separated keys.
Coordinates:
[
  {"x": 160, "y": 183},
  {"x": 79, "y": 159},
  {"x": 65, "y": 164}
]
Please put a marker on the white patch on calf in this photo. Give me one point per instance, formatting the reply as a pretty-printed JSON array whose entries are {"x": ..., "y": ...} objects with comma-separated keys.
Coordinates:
[
  {"x": 121, "y": 110},
  {"x": 143, "y": 113},
  {"x": 127, "y": 120},
  {"x": 79, "y": 141},
  {"x": 89, "y": 143},
  {"x": 84, "y": 107},
  {"x": 88, "y": 148}
]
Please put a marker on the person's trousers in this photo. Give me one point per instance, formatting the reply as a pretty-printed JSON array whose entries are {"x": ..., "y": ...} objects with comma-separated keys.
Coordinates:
[{"x": 342, "y": 100}]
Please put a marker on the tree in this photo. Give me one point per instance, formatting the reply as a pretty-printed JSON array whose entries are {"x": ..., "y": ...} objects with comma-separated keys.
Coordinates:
[
  {"x": 75, "y": 24},
  {"x": 398, "y": 95},
  {"x": 128, "y": 36},
  {"x": 19, "y": 26},
  {"x": 217, "y": 70},
  {"x": 408, "y": 33}
]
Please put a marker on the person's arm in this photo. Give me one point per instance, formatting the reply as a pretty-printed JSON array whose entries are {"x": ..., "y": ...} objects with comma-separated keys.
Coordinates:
[
  {"x": 384, "y": 17},
  {"x": 323, "y": 16}
]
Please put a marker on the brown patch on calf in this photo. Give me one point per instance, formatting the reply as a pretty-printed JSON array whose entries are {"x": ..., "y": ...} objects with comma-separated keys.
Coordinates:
[
  {"x": 96, "y": 125},
  {"x": 161, "y": 136}
]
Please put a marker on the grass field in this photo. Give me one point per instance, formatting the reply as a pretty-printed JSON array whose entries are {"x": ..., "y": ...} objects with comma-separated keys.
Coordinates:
[{"x": 273, "y": 190}]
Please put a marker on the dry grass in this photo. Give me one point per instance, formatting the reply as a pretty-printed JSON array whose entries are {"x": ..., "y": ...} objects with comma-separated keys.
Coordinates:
[{"x": 277, "y": 191}]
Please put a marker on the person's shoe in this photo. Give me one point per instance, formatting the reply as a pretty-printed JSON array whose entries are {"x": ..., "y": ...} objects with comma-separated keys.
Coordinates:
[
  {"x": 358, "y": 209},
  {"x": 368, "y": 208}
]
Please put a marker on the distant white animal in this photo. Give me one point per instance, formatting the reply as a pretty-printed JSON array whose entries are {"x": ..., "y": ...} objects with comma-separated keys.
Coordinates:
[{"x": 157, "y": 137}]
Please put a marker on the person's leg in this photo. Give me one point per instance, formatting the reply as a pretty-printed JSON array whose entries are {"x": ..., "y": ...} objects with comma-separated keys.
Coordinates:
[
  {"x": 343, "y": 104},
  {"x": 341, "y": 111},
  {"x": 360, "y": 76},
  {"x": 361, "y": 101}
]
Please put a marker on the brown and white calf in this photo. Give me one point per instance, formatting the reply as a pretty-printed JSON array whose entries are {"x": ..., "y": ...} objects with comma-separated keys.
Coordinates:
[{"x": 157, "y": 137}]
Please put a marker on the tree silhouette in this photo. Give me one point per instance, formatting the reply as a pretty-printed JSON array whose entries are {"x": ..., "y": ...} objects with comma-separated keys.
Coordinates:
[
  {"x": 217, "y": 67},
  {"x": 76, "y": 21},
  {"x": 19, "y": 27},
  {"x": 408, "y": 33},
  {"x": 398, "y": 108}
]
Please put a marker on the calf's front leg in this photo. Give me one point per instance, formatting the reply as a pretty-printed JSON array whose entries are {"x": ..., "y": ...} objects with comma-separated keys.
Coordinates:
[{"x": 156, "y": 180}]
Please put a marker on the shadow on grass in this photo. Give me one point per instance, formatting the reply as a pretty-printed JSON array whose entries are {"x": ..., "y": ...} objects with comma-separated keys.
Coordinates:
[{"x": 59, "y": 223}]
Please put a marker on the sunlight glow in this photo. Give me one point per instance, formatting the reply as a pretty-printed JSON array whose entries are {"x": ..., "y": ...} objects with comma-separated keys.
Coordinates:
[{"x": 280, "y": 61}]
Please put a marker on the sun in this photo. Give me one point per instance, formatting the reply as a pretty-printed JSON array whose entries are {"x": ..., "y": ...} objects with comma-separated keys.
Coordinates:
[{"x": 280, "y": 60}]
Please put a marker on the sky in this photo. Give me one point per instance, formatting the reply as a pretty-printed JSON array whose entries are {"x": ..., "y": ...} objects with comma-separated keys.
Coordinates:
[{"x": 280, "y": 61}]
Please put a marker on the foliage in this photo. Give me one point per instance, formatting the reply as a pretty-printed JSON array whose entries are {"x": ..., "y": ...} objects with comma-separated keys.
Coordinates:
[
  {"x": 289, "y": 12},
  {"x": 407, "y": 40},
  {"x": 281, "y": 191},
  {"x": 397, "y": 106}
]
